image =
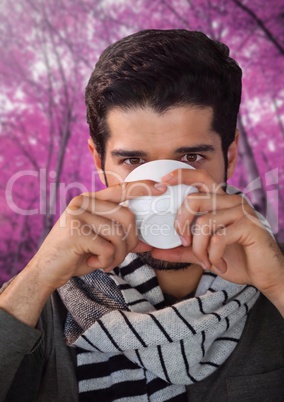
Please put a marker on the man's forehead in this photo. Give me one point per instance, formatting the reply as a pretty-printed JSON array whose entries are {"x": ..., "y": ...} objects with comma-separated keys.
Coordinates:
[
  {"x": 175, "y": 110},
  {"x": 134, "y": 126}
]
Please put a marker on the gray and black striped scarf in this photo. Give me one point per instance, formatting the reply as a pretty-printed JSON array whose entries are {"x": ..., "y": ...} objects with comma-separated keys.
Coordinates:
[{"x": 132, "y": 347}]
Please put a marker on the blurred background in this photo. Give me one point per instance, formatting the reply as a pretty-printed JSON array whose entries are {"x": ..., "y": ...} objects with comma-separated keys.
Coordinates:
[{"x": 48, "y": 49}]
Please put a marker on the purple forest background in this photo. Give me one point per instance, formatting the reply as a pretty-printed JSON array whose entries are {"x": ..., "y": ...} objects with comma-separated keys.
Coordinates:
[{"x": 48, "y": 50}]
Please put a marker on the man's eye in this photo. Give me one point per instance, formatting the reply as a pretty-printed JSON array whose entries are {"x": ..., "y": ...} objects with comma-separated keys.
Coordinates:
[
  {"x": 191, "y": 158},
  {"x": 133, "y": 161}
]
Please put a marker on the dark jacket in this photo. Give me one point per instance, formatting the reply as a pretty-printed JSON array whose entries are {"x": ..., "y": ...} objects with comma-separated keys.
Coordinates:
[{"x": 36, "y": 364}]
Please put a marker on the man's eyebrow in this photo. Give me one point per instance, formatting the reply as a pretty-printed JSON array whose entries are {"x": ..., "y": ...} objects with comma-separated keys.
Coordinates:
[
  {"x": 196, "y": 148},
  {"x": 128, "y": 154},
  {"x": 124, "y": 153}
]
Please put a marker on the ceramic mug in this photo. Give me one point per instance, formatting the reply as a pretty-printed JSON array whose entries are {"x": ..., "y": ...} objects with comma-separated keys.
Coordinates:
[{"x": 155, "y": 215}]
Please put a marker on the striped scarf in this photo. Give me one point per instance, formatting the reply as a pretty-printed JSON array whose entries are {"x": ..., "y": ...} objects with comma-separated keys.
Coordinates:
[{"x": 132, "y": 347}]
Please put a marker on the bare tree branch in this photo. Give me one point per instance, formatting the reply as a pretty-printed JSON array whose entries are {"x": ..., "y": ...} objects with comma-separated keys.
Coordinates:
[
  {"x": 261, "y": 25},
  {"x": 174, "y": 11}
]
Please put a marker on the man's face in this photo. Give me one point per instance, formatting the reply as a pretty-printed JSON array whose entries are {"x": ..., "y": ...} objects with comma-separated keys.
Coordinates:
[{"x": 181, "y": 133}]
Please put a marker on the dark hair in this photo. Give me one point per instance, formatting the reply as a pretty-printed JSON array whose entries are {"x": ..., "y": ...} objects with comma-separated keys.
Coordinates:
[{"x": 162, "y": 69}]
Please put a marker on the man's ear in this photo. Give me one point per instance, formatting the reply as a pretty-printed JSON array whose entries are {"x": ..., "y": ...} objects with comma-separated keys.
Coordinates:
[
  {"x": 97, "y": 159},
  {"x": 232, "y": 155}
]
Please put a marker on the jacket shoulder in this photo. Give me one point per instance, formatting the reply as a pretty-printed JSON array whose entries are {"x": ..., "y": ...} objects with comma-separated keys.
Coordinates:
[{"x": 255, "y": 370}]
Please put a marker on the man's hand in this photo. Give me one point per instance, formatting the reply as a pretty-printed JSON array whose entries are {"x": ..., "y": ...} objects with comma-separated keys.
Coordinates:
[
  {"x": 225, "y": 237},
  {"x": 94, "y": 232}
]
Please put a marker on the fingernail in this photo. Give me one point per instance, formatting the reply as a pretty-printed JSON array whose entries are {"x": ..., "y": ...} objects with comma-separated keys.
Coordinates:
[
  {"x": 203, "y": 266},
  {"x": 160, "y": 186},
  {"x": 168, "y": 177},
  {"x": 184, "y": 241}
]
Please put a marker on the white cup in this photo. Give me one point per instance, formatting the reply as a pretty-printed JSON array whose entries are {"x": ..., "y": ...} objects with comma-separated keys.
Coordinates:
[{"x": 155, "y": 215}]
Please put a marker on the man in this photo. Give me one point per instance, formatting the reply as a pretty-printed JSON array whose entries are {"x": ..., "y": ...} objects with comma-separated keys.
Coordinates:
[{"x": 98, "y": 315}]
